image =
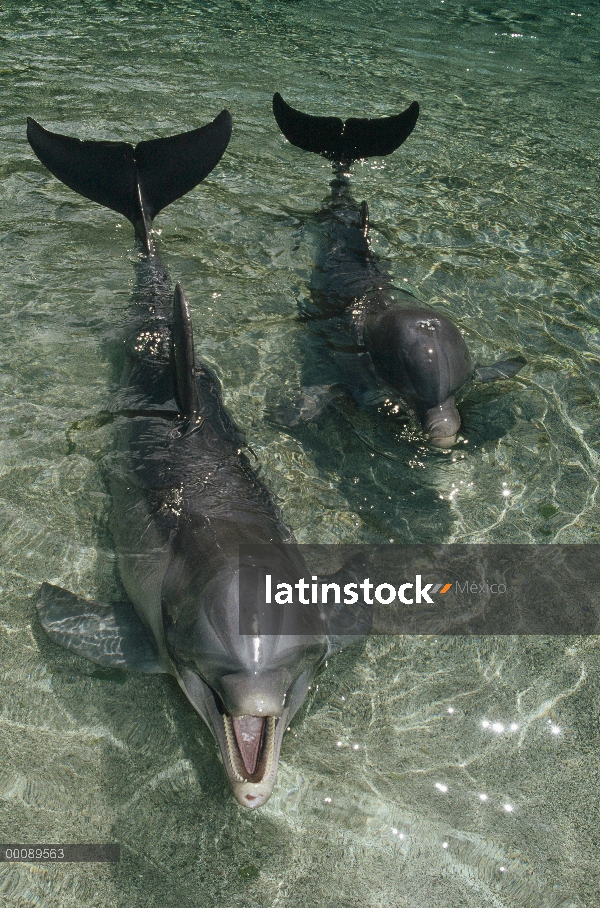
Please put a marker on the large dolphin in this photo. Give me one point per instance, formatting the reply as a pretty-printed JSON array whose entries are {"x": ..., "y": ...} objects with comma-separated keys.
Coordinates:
[
  {"x": 409, "y": 349},
  {"x": 184, "y": 496}
]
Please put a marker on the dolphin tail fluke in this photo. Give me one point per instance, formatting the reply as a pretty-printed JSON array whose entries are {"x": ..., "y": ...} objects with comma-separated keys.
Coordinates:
[
  {"x": 344, "y": 142},
  {"x": 137, "y": 182}
]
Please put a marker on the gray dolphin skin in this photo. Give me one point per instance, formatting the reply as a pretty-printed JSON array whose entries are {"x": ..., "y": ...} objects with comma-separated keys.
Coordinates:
[
  {"x": 412, "y": 350},
  {"x": 184, "y": 496}
]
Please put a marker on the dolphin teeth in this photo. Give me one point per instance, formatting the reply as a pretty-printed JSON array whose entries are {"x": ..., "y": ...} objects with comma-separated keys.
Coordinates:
[
  {"x": 270, "y": 747},
  {"x": 250, "y": 746},
  {"x": 248, "y": 732}
]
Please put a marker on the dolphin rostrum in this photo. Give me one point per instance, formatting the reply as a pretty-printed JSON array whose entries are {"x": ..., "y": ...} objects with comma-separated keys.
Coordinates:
[
  {"x": 184, "y": 496},
  {"x": 408, "y": 348}
]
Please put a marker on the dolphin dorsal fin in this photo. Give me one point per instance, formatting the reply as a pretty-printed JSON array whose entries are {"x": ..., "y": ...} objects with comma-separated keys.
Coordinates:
[
  {"x": 364, "y": 219},
  {"x": 137, "y": 182},
  {"x": 186, "y": 389}
]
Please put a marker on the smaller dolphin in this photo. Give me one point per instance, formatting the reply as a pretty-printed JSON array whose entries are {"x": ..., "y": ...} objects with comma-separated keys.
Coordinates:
[{"x": 411, "y": 349}]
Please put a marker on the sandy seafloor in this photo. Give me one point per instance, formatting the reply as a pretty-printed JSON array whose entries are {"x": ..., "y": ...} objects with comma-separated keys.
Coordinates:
[{"x": 490, "y": 212}]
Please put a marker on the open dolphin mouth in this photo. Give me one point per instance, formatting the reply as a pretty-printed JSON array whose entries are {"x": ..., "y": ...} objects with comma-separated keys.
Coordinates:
[{"x": 249, "y": 745}]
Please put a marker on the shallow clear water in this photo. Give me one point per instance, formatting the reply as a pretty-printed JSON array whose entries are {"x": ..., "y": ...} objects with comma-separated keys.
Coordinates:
[{"x": 490, "y": 212}]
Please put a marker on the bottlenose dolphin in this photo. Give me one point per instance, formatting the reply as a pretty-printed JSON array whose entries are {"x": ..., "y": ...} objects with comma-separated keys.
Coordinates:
[
  {"x": 184, "y": 495},
  {"x": 410, "y": 349}
]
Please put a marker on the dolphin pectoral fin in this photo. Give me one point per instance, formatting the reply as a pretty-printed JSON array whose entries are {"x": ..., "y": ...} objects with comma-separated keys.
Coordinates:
[
  {"x": 186, "y": 389},
  {"x": 505, "y": 368},
  {"x": 110, "y": 635},
  {"x": 313, "y": 403},
  {"x": 349, "y": 141},
  {"x": 137, "y": 182}
]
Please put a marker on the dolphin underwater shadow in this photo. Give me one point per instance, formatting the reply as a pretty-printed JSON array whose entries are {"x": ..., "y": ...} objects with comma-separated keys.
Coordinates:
[
  {"x": 378, "y": 339},
  {"x": 184, "y": 495}
]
